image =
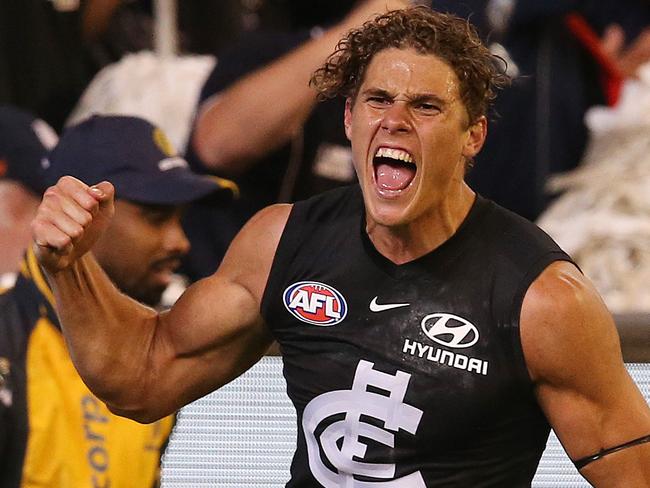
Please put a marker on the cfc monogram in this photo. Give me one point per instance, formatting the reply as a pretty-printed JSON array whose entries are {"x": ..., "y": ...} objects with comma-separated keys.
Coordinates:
[{"x": 340, "y": 440}]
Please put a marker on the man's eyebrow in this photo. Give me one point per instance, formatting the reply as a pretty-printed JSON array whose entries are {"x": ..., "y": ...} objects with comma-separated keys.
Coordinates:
[
  {"x": 414, "y": 98},
  {"x": 156, "y": 209},
  {"x": 377, "y": 92},
  {"x": 428, "y": 97}
]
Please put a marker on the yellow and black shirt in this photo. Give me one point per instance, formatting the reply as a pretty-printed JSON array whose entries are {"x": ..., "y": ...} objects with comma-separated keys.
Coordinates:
[{"x": 53, "y": 431}]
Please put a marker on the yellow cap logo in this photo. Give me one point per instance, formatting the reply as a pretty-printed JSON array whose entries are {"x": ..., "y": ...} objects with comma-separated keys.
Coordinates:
[{"x": 163, "y": 143}]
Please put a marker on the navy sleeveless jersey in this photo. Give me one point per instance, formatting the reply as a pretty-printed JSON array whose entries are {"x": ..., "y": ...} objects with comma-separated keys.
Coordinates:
[{"x": 407, "y": 375}]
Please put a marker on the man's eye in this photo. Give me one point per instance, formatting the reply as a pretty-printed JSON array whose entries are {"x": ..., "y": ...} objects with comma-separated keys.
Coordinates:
[
  {"x": 428, "y": 107},
  {"x": 378, "y": 101},
  {"x": 157, "y": 216}
]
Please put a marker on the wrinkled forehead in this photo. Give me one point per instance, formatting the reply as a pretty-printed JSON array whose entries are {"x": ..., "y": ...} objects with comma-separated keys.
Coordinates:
[{"x": 408, "y": 72}]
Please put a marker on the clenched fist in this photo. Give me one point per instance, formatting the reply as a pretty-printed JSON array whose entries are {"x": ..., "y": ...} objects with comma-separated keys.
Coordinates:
[{"x": 69, "y": 221}]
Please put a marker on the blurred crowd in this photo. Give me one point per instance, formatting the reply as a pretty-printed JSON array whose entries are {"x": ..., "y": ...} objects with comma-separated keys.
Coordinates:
[{"x": 236, "y": 102}]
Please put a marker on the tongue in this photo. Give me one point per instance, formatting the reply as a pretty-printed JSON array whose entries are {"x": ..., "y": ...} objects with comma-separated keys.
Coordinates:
[{"x": 394, "y": 176}]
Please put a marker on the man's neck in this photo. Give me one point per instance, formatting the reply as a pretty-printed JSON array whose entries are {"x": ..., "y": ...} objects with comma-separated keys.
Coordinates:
[{"x": 401, "y": 244}]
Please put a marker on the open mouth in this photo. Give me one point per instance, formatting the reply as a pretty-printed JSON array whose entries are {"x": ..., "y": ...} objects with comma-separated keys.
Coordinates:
[{"x": 394, "y": 169}]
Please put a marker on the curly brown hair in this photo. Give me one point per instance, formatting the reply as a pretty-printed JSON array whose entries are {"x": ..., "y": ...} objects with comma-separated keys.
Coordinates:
[{"x": 447, "y": 36}]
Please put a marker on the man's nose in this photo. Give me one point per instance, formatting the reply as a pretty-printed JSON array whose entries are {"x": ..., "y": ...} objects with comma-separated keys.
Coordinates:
[
  {"x": 397, "y": 118},
  {"x": 175, "y": 239}
]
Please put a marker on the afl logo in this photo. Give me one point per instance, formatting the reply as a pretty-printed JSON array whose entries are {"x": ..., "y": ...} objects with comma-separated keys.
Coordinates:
[
  {"x": 315, "y": 303},
  {"x": 449, "y": 330}
]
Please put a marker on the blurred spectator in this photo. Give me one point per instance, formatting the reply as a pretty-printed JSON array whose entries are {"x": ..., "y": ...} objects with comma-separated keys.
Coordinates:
[
  {"x": 259, "y": 122},
  {"x": 570, "y": 55},
  {"x": 24, "y": 140},
  {"x": 53, "y": 431},
  {"x": 601, "y": 217}
]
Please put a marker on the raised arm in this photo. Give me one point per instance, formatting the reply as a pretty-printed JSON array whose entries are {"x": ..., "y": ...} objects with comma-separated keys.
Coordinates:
[
  {"x": 265, "y": 109},
  {"x": 143, "y": 364},
  {"x": 573, "y": 355}
]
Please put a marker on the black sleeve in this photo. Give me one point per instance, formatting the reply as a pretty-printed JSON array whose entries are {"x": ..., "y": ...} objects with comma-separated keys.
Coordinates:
[
  {"x": 251, "y": 52},
  {"x": 13, "y": 406},
  {"x": 5, "y": 435},
  {"x": 12, "y": 442}
]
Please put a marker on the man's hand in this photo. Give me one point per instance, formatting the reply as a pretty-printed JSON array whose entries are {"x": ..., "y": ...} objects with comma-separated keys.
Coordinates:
[
  {"x": 69, "y": 221},
  {"x": 626, "y": 58}
]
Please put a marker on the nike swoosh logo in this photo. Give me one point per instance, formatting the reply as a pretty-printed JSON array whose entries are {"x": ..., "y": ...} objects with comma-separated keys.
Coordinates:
[{"x": 382, "y": 307}]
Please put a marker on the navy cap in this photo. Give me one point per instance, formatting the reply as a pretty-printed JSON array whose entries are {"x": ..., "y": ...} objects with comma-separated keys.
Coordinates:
[
  {"x": 134, "y": 155},
  {"x": 24, "y": 142}
]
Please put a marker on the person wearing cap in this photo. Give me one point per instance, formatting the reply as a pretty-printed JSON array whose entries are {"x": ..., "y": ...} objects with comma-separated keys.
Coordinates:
[
  {"x": 53, "y": 431},
  {"x": 24, "y": 140}
]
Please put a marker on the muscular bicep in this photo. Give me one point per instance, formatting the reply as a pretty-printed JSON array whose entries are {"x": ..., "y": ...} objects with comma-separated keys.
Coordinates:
[
  {"x": 215, "y": 331},
  {"x": 573, "y": 355}
]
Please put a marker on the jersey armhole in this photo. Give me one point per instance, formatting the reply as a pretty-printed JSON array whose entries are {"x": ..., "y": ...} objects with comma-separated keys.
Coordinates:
[
  {"x": 287, "y": 245},
  {"x": 515, "y": 309}
]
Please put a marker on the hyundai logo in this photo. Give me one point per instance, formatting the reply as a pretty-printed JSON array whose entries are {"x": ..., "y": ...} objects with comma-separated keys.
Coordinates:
[{"x": 449, "y": 330}]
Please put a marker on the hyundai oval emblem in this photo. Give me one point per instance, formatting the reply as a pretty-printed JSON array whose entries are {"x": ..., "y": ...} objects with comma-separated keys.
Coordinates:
[{"x": 450, "y": 330}]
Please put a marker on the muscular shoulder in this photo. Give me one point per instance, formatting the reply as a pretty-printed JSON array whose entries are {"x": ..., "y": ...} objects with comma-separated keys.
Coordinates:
[
  {"x": 249, "y": 257},
  {"x": 264, "y": 229},
  {"x": 565, "y": 323}
]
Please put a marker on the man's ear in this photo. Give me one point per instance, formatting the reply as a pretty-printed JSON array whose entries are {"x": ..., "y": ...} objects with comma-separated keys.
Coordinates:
[
  {"x": 476, "y": 134},
  {"x": 347, "y": 117}
]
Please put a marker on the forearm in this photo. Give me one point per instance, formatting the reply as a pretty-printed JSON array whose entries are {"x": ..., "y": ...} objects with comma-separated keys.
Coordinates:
[
  {"x": 261, "y": 112},
  {"x": 109, "y": 335},
  {"x": 264, "y": 110}
]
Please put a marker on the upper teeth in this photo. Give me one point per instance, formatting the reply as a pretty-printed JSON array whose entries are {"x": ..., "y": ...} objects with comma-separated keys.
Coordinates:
[{"x": 386, "y": 152}]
